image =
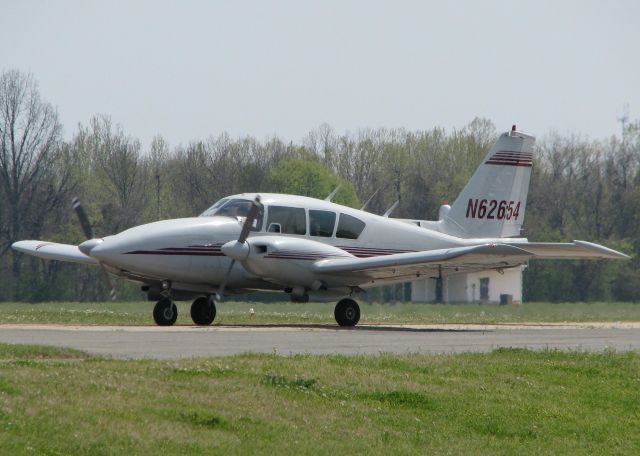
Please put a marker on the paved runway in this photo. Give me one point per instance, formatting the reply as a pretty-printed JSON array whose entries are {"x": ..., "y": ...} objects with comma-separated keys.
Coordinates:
[{"x": 191, "y": 341}]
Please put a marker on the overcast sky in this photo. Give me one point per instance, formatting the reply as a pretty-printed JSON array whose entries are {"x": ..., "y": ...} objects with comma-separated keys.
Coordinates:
[{"x": 187, "y": 69}]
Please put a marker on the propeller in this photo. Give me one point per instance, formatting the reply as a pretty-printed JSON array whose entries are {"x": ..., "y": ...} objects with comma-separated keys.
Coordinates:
[
  {"x": 239, "y": 250},
  {"x": 88, "y": 232}
]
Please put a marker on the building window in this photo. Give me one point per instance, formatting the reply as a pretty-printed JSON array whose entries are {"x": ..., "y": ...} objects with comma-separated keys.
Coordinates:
[{"x": 484, "y": 289}]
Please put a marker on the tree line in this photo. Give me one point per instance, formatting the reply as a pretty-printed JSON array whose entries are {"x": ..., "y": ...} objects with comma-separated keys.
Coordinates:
[{"x": 580, "y": 189}]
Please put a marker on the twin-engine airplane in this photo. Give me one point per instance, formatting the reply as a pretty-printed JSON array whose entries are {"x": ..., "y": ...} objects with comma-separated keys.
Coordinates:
[{"x": 318, "y": 250}]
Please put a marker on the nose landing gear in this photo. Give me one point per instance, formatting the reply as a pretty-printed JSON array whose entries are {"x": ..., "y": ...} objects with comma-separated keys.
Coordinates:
[
  {"x": 203, "y": 311},
  {"x": 347, "y": 312},
  {"x": 165, "y": 312}
]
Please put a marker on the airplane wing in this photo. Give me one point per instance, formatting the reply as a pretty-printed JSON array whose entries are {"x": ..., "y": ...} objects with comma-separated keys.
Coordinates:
[
  {"x": 53, "y": 251},
  {"x": 460, "y": 259},
  {"x": 457, "y": 259},
  {"x": 576, "y": 250}
]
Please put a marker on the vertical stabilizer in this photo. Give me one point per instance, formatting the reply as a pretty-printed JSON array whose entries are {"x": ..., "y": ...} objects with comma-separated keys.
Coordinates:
[{"x": 492, "y": 204}]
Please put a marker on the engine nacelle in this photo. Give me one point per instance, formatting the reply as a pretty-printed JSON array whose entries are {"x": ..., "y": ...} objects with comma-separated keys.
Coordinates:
[{"x": 288, "y": 261}]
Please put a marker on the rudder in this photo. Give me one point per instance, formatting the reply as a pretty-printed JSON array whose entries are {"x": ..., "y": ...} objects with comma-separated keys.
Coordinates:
[{"x": 492, "y": 204}]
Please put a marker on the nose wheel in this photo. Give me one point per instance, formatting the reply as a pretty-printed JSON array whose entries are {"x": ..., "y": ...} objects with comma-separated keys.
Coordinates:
[
  {"x": 203, "y": 311},
  {"x": 347, "y": 312},
  {"x": 165, "y": 312}
]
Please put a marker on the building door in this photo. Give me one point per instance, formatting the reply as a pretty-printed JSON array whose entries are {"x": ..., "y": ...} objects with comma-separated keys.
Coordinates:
[{"x": 484, "y": 289}]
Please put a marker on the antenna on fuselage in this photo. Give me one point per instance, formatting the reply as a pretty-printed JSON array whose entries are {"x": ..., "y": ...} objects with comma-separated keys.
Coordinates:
[
  {"x": 332, "y": 194},
  {"x": 391, "y": 209},
  {"x": 364, "y": 206}
]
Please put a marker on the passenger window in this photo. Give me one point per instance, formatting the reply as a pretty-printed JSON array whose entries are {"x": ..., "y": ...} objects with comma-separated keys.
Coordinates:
[
  {"x": 321, "y": 223},
  {"x": 292, "y": 220},
  {"x": 349, "y": 227},
  {"x": 240, "y": 209}
]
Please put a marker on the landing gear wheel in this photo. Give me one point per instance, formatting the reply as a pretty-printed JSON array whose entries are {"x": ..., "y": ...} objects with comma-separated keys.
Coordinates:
[
  {"x": 203, "y": 311},
  {"x": 165, "y": 312},
  {"x": 347, "y": 312}
]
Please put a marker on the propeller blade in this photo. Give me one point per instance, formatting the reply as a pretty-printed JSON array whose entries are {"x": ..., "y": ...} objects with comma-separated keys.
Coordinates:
[
  {"x": 224, "y": 282},
  {"x": 251, "y": 217},
  {"x": 244, "y": 234},
  {"x": 112, "y": 290},
  {"x": 88, "y": 232},
  {"x": 82, "y": 217}
]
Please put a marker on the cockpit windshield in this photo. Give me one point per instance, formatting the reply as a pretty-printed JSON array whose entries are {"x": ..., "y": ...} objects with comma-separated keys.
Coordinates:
[
  {"x": 209, "y": 212},
  {"x": 235, "y": 208}
]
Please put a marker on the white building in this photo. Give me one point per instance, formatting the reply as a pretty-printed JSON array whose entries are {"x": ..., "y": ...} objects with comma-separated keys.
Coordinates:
[{"x": 486, "y": 286}]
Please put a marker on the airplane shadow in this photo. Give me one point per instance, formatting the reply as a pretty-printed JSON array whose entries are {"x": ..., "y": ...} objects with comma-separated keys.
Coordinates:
[{"x": 378, "y": 328}]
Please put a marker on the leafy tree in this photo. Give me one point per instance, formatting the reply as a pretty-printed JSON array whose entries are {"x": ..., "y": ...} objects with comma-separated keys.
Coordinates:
[
  {"x": 310, "y": 178},
  {"x": 580, "y": 189}
]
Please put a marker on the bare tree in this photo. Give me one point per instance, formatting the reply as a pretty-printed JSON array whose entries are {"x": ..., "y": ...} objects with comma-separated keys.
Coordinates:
[
  {"x": 33, "y": 181},
  {"x": 122, "y": 170}
]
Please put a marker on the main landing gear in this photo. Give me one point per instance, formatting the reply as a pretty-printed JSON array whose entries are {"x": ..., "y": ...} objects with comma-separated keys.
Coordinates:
[
  {"x": 203, "y": 311},
  {"x": 165, "y": 312},
  {"x": 347, "y": 312}
]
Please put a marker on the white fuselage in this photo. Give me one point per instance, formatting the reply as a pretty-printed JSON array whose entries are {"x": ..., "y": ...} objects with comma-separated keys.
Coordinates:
[{"x": 187, "y": 251}]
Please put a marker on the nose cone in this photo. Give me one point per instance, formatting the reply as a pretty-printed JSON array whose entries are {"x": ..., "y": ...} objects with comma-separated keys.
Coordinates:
[{"x": 87, "y": 246}]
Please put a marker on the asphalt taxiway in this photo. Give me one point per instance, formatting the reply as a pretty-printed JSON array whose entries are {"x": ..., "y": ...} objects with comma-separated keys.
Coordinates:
[{"x": 191, "y": 341}]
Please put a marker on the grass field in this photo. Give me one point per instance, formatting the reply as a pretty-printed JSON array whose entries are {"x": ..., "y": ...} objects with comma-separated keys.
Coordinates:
[
  {"x": 139, "y": 313},
  {"x": 58, "y": 401}
]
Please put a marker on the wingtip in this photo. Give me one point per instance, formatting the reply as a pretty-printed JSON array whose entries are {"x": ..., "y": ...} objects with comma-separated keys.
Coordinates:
[
  {"x": 24, "y": 246},
  {"x": 606, "y": 252}
]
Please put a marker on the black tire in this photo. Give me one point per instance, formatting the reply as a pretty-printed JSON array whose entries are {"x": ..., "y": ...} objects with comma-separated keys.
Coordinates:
[
  {"x": 165, "y": 312},
  {"x": 347, "y": 312},
  {"x": 203, "y": 311}
]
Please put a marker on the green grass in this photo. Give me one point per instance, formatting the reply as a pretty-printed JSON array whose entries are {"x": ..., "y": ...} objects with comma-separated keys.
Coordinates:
[
  {"x": 60, "y": 401},
  {"x": 139, "y": 313}
]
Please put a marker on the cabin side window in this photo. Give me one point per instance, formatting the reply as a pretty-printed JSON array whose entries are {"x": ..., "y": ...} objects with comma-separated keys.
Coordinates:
[
  {"x": 286, "y": 220},
  {"x": 349, "y": 227},
  {"x": 321, "y": 223}
]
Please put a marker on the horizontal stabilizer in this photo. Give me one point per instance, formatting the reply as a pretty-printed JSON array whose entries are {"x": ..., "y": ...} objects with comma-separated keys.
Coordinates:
[{"x": 53, "y": 251}]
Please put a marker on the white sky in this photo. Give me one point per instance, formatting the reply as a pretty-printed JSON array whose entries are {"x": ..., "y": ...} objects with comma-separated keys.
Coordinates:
[{"x": 189, "y": 69}]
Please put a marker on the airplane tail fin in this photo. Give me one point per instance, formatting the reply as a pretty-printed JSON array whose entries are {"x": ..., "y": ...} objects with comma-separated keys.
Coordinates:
[{"x": 492, "y": 204}]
